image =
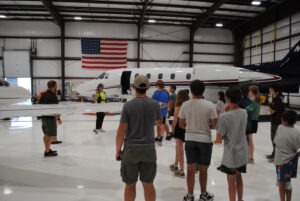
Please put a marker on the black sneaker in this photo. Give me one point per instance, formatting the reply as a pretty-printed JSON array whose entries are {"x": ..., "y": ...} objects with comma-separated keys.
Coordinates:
[
  {"x": 156, "y": 139},
  {"x": 206, "y": 197},
  {"x": 269, "y": 156},
  {"x": 160, "y": 139},
  {"x": 169, "y": 137},
  {"x": 50, "y": 153},
  {"x": 187, "y": 198},
  {"x": 56, "y": 142}
]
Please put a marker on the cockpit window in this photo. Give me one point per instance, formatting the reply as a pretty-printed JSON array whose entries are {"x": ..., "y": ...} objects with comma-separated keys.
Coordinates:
[
  {"x": 102, "y": 76},
  {"x": 4, "y": 83},
  {"x": 245, "y": 70},
  {"x": 106, "y": 77}
]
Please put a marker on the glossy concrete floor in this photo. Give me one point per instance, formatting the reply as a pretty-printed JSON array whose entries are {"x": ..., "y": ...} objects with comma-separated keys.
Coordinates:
[{"x": 86, "y": 170}]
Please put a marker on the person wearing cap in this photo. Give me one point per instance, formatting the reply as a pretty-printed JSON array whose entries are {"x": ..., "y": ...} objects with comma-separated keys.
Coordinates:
[
  {"x": 136, "y": 132},
  {"x": 100, "y": 97}
]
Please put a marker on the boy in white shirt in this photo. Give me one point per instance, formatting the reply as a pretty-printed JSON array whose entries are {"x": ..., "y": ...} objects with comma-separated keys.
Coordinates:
[
  {"x": 198, "y": 117},
  {"x": 287, "y": 151}
]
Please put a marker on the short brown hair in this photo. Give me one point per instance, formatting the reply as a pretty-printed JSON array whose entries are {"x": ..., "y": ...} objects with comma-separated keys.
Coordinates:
[
  {"x": 255, "y": 91},
  {"x": 182, "y": 96},
  {"x": 160, "y": 84},
  {"x": 51, "y": 84}
]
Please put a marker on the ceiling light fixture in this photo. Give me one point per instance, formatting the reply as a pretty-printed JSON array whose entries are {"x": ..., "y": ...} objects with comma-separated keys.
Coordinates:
[
  {"x": 256, "y": 3},
  {"x": 78, "y": 18},
  {"x": 151, "y": 21},
  {"x": 219, "y": 25},
  {"x": 2, "y": 16}
]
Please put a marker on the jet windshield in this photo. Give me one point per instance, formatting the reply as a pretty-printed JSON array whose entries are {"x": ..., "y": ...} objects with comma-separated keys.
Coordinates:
[
  {"x": 3, "y": 83},
  {"x": 102, "y": 76}
]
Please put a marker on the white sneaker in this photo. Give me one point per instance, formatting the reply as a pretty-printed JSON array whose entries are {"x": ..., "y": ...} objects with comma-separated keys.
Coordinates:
[
  {"x": 206, "y": 197},
  {"x": 95, "y": 131},
  {"x": 101, "y": 130}
]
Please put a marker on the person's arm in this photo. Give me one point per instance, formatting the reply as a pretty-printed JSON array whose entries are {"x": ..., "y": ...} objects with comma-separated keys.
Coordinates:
[
  {"x": 213, "y": 118},
  {"x": 94, "y": 98},
  {"x": 213, "y": 123},
  {"x": 170, "y": 105},
  {"x": 221, "y": 130},
  {"x": 219, "y": 139},
  {"x": 120, "y": 139},
  {"x": 175, "y": 119},
  {"x": 182, "y": 117},
  {"x": 57, "y": 117},
  {"x": 182, "y": 123}
]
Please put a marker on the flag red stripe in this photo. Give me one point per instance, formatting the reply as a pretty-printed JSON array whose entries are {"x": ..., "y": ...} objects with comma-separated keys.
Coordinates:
[
  {"x": 108, "y": 58},
  {"x": 105, "y": 48},
  {"x": 100, "y": 62},
  {"x": 114, "y": 44},
  {"x": 104, "y": 67},
  {"x": 114, "y": 53},
  {"x": 113, "y": 39}
]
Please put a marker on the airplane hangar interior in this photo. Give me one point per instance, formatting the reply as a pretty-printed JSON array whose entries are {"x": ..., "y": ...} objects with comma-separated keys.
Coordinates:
[{"x": 167, "y": 100}]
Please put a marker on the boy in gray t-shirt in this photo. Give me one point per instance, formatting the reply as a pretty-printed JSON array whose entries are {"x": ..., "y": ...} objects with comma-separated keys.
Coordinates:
[
  {"x": 136, "y": 131},
  {"x": 287, "y": 151},
  {"x": 231, "y": 128}
]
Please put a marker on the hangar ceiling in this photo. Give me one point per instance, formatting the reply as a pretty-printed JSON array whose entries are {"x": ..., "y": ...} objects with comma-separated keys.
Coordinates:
[{"x": 204, "y": 13}]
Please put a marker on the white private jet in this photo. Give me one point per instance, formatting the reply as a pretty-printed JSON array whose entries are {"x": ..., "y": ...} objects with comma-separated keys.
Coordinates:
[
  {"x": 119, "y": 82},
  {"x": 10, "y": 94}
]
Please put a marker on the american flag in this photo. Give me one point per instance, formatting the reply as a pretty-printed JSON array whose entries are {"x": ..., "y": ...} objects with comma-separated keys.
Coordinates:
[{"x": 103, "y": 53}]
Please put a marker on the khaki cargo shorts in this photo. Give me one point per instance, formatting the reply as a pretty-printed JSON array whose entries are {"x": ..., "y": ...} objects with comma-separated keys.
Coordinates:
[{"x": 138, "y": 162}]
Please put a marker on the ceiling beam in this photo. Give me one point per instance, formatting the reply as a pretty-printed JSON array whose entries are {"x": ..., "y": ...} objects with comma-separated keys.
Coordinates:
[
  {"x": 280, "y": 11},
  {"x": 142, "y": 16},
  {"x": 53, "y": 12},
  {"x": 205, "y": 16}
]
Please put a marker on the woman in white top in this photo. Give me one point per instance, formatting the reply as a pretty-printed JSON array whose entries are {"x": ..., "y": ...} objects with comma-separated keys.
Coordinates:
[{"x": 220, "y": 107}]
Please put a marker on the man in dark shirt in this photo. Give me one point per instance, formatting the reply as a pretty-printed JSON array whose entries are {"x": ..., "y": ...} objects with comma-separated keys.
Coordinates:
[{"x": 49, "y": 124}]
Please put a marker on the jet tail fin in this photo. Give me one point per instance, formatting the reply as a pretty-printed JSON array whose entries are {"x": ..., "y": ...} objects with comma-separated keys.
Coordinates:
[{"x": 293, "y": 57}]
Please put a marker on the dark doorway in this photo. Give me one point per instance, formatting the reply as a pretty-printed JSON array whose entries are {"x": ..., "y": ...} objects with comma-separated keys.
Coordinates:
[{"x": 125, "y": 81}]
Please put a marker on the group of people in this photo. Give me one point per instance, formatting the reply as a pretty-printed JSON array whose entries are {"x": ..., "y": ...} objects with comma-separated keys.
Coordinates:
[{"x": 235, "y": 119}]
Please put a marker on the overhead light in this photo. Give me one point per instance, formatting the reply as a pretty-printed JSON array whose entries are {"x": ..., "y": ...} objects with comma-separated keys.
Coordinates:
[
  {"x": 151, "y": 21},
  {"x": 78, "y": 18},
  {"x": 219, "y": 25},
  {"x": 256, "y": 3},
  {"x": 2, "y": 16}
]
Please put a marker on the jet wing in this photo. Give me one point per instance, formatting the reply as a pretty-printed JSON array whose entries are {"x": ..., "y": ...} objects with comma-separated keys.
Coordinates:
[{"x": 55, "y": 109}]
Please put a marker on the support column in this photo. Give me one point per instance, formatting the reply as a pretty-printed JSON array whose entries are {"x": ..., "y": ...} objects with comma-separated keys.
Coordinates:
[
  {"x": 139, "y": 46},
  {"x": 62, "y": 59},
  {"x": 238, "y": 50},
  {"x": 191, "y": 47}
]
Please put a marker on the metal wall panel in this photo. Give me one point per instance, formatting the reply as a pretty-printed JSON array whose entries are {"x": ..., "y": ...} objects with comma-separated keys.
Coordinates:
[{"x": 46, "y": 68}]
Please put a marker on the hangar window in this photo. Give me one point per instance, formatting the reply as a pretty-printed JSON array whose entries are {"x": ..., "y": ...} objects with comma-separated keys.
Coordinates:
[
  {"x": 172, "y": 76},
  {"x": 188, "y": 76},
  {"x": 160, "y": 76},
  {"x": 148, "y": 75},
  {"x": 136, "y": 75}
]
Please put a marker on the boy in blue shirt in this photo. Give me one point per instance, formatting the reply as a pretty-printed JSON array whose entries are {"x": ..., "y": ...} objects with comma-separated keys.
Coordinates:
[{"x": 161, "y": 96}]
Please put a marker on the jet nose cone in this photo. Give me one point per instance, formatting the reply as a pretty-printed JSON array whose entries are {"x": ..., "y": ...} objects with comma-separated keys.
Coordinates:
[
  {"x": 85, "y": 89},
  {"x": 22, "y": 93}
]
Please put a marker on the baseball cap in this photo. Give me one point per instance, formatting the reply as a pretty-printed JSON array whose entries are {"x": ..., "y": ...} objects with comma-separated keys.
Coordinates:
[{"x": 141, "y": 82}]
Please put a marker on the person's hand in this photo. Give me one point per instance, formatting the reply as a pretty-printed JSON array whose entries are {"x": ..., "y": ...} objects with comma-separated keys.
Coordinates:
[
  {"x": 118, "y": 155},
  {"x": 59, "y": 122}
]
